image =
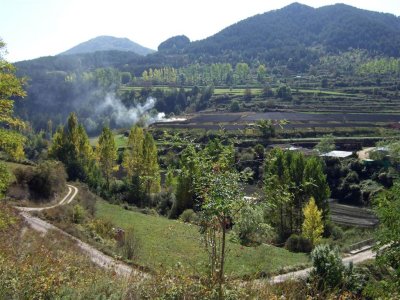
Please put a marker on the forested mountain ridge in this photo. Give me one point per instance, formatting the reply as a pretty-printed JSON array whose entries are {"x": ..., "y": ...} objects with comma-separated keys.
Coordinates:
[
  {"x": 107, "y": 43},
  {"x": 301, "y": 32}
]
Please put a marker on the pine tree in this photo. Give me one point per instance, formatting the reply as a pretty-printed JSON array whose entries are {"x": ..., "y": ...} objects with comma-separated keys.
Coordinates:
[
  {"x": 313, "y": 226},
  {"x": 106, "y": 154}
]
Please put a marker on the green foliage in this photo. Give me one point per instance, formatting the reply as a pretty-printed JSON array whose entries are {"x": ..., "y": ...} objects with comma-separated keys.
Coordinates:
[
  {"x": 44, "y": 181},
  {"x": 188, "y": 216},
  {"x": 78, "y": 214},
  {"x": 298, "y": 243},
  {"x": 71, "y": 146},
  {"x": 5, "y": 179},
  {"x": 387, "y": 208},
  {"x": 250, "y": 225},
  {"x": 290, "y": 180},
  {"x": 326, "y": 144},
  {"x": 106, "y": 153},
  {"x": 234, "y": 107},
  {"x": 328, "y": 269},
  {"x": 284, "y": 92},
  {"x": 129, "y": 245},
  {"x": 11, "y": 87}
]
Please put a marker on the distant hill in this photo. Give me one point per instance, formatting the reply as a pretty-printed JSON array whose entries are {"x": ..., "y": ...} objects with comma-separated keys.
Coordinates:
[
  {"x": 175, "y": 43},
  {"x": 301, "y": 32},
  {"x": 107, "y": 43}
]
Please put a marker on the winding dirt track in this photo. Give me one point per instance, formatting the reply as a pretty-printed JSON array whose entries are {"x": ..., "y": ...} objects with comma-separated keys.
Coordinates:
[
  {"x": 122, "y": 269},
  {"x": 95, "y": 255}
]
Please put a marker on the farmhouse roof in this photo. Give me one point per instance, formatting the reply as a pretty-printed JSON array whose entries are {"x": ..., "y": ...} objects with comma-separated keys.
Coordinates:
[{"x": 339, "y": 154}]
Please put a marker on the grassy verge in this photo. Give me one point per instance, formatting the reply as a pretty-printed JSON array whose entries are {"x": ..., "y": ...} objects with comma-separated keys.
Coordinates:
[{"x": 168, "y": 243}]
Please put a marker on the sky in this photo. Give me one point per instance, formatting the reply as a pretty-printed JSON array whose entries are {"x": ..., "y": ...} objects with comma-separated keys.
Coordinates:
[{"x": 35, "y": 28}]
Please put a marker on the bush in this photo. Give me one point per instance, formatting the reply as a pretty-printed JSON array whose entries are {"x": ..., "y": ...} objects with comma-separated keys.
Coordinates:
[
  {"x": 5, "y": 178},
  {"x": 102, "y": 227},
  {"x": 328, "y": 269},
  {"x": 188, "y": 216},
  {"x": 129, "y": 244},
  {"x": 44, "y": 181},
  {"x": 333, "y": 231},
  {"x": 297, "y": 243},
  {"x": 250, "y": 226},
  {"x": 78, "y": 214}
]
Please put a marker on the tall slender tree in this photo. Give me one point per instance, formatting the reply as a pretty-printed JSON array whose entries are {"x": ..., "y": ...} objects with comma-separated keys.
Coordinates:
[
  {"x": 151, "y": 169},
  {"x": 133, "y": 155},
  {"x": 106, "y": 154}
]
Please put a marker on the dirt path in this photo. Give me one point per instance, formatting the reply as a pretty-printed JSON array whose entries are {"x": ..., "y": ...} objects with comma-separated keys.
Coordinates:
[
  {"x": 120, "y": 268},
  {"x": 95, "y": 255},
  {"x": 355, "y": 259}
]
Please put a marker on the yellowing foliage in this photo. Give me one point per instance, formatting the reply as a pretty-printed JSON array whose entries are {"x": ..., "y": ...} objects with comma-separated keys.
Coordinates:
[{"x": 313, "y": 226}]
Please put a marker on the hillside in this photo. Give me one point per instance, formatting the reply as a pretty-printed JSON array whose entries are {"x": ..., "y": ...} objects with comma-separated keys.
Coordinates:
[
  {"x": 107, "y": 43},
  {"x": 301, "y": 32}
]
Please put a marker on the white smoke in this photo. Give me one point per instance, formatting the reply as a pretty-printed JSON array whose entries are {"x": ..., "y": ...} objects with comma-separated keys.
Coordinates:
[{"x": 124, "y": 116}]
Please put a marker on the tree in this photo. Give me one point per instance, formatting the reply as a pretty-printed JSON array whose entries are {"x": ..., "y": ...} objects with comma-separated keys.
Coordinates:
[
  {"x": 221, "y": 196},
  {"x": 106, "y": 154},
  {"x": 316, "y": 185},
  {"x": 133, "y": 155},
  {"x": 387, "y": 208},
  {"x": 11, "y": 87},
  {"x": 328, "y": 269},
  {"x": 71, "y": 146},
  {"x": 151, "y": 169},
  {"x": 326, "y": 144},
  {"x": 261, "y": 73},
  {"x": 5, "y": 178},
  {"x": 234, "y": 107},
  {"x": 313, "y": 226}
]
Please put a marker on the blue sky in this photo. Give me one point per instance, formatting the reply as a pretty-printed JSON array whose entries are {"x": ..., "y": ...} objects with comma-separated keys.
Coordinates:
[{"x": 34, "y": 28}]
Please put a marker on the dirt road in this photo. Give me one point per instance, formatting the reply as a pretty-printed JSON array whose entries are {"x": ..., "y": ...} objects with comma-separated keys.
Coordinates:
[
  {"x": 355, "y": 259},
  {"x": 95, "y": 255},
  {"x": 120, "y": 268}
]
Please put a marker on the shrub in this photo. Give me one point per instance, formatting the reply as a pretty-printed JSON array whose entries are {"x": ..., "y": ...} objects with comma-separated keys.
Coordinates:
[
  {"x": 332, "y": 230},
  {"x": 78, "y": 214},
  {"x": 250, "y": 226},
  {"x": 188, "y": 216},
  {"x": 129, "y": 244},
  {"x": 328, "y": 269},
  {"x": 297, "y": 243},
  {"x": 4, "y": 179},
  {"x": 44, "y": 181},
  {"x": 102, "y": 227}
]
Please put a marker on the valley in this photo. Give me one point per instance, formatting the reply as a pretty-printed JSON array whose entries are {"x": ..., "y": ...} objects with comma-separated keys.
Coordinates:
[{"x": 260, "y": 162}]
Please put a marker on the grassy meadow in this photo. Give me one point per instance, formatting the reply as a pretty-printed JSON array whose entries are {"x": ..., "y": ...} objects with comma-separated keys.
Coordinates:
[{"x": 169, "y": 243}]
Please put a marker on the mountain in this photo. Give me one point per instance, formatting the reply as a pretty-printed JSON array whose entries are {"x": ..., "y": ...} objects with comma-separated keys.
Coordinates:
[
  {"x": 106, "y": 43},
  {"x": 174, "y": 43},
  {"x": 303, "y": 33}
]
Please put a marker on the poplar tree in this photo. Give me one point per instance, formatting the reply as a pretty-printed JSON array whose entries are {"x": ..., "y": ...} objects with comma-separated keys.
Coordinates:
[
  {"x": 106, "y": 154},
  {"x": 313, "y": 226},
  {"x": 133, "y": 155},
  {"x": 72, "y": 147},
  {"x": 151, "y": 169}
]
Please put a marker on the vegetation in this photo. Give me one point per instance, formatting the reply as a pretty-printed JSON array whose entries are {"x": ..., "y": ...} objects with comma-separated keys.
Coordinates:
[
  {"x": 201, "y": 202},
  {"x": 313, "y": 226}
]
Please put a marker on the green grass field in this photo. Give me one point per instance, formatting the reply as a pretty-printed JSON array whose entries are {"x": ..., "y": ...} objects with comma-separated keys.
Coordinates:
[
  {"x": 167, "y": 243},
  {"x": 120, "y": 140}
]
